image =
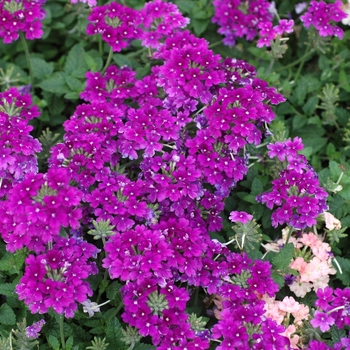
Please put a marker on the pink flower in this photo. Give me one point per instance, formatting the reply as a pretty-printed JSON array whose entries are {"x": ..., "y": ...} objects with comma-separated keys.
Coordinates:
[{"x": 240, "y": 216}]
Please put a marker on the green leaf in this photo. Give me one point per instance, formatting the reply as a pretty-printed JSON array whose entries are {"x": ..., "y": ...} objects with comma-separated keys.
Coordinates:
[
  {"x": 7, "y": 316},
  {"x": 257, "y": 187},
  {"x": 41, "y": 69},
  {"x": 278, "y": 278},
  {"x": 200, "y": 25},
  {"x": 122, "y": 60},
  {"x": 53, "y": 342},
  {"x": 91, "y": 63},
  {"x": 114, "y": 335},
  {"x": 310, "y": 105},
  {"x": 184, "y": 5},
  {"x": 7, "y": 289},
  {"x": 56, "y": 84},
  {"x": 74, "y": 84},
  {"x": 344, "y": 276},
  {"x": 69, "y": 343},
  {"x": 75, "y": 59},
  {"x": 283, "y": 258}
]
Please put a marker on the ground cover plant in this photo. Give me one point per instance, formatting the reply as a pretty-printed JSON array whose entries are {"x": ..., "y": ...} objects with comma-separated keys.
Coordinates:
[{"x": 174, "y": 175}]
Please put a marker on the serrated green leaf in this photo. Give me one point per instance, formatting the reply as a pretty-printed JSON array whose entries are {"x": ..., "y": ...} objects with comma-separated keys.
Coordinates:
[
  {"x": 200, "y": 25},
  {"x": 91, "y": 63},
  {"x": 257, "y": 187},
  {"x": 184, "y": 5},
  {"x": 310, "y": 105},
  {"x": 75, "y": 59},
  {"x": 74, "y": 84},
  {"x": 69, "y": 343},
  {"x": 337, "y": 334},
  {"x": 283, "y": 258},
  {"x": 114, "y": 335},
  {"x": 122, "y": 60},
  {"x": 335, "y": 170},
  {"x": 56, "y": 84},
  {"x": 7, "y": 289},
  {"x": 53, "y": 342},
  {"x": 7, "y": 316},
  {"x": 41, "y": 69},
  {"x": 345, "y": 192},
  {"x": 278, "y": 278},
  {"x": 112, "y": 290},
  {"x": 344, "y": 275}
]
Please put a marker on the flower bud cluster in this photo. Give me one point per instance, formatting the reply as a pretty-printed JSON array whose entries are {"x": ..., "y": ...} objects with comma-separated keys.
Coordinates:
[
  {"x": 18, "y": 147},
  {"x": 21, "y": 15}
]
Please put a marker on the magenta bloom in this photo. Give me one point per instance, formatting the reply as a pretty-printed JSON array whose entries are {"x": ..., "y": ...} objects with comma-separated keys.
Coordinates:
[
  {"x": 25, "y": 17},
  {"x": 240, "y": 216},
  {"x": 322, "y": 320}
]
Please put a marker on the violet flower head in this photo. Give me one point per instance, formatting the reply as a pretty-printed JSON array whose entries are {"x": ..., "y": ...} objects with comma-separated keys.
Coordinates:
[
  {"x": 34, "y": 330},
  {"x": 18, "y": 147},
  {"x": 116, "y": 23},
  {"x": 24, "y": 16},
  {"x": 240, "y": 216},
  {"x": 160, "y": 19},
  {"x": 322, "y": 320},
  {"x": 91, "y": 3},
  {"x": 238, "y": 19},
  {"x": 297, "y": 192},
  {"x": 322, "y": 16}
]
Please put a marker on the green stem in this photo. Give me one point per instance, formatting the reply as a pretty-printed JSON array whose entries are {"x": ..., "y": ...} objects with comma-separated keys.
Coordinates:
[
  {"x": 100, "y": 47},
  {"x": 289, "y": 234},
  {"x": 196, "y": 297},
  {"x": 270, "y": 68},
  {"x": 26, "y": 51},
  {"x": 115, "y": 313},
  {"x": 63, "y": 342},
  {"x": 299, "y": 71},
  {"x": 215, "y": 44},
  {"x": 135, "y": 53},
  {"x": 109, "y": 59},
  {"x": 301, "y": 59}
]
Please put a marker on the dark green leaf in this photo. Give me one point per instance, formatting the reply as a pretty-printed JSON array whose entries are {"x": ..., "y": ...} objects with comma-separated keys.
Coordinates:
[
  {"x": 200, "y": 25},
  {"x": 114, "y": 335},
  {"x": 283, "y": 258},
  {"x": 7, "y": 316},
  {"x": 41, "y": 69},
  {"x": 344, "y": 274},
  {"x": 56, "y": 84},
  {"x": 75, "y": 59},
  {"x": 53, "y": 342}
]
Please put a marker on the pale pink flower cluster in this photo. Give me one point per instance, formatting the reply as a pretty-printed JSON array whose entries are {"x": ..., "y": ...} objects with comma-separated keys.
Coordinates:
[
  {"x": 313, "y": 272},
  {"x": 280, "y": 311}
]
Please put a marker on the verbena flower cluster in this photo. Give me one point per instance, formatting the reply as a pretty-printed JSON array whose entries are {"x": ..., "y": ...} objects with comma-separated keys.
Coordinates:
[
  {"x": 332, "y": 308},
  {"x": 238, "y": 19},
  {"x": 322, "y": 16},
  {"x": 91, "y": 3},
  {"x": 146, "y": 165},
  {"x": 18, "y": 147},
  {"x": 297, "y": 192},
  {"x": 119, "y": 24},
  {"x": 56, "y": 278},
  {"x": 21, "y": 15}
]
